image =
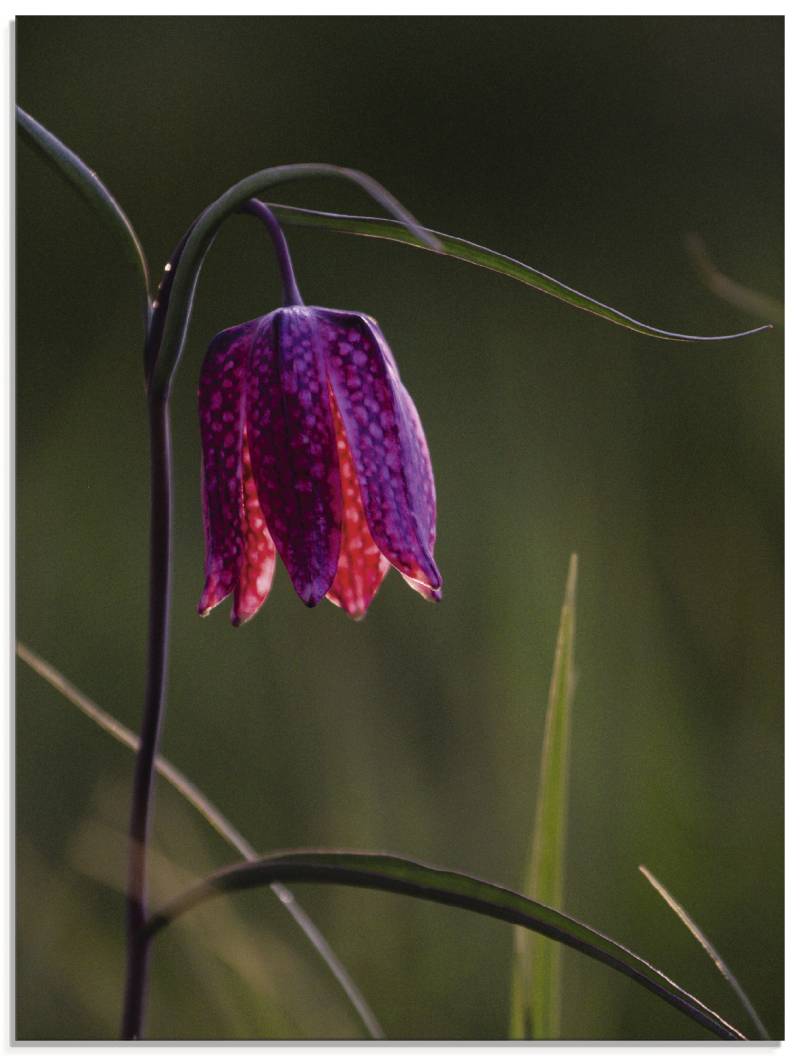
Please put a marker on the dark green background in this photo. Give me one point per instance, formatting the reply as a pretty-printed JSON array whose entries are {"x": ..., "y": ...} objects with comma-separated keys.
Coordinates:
[{"x": 588, "y": 148}]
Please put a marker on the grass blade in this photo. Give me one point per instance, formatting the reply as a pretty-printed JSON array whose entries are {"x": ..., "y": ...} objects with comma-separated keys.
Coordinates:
[
  {"x": 461, "y": 249},
  {"x": 192, "y": 794},
  {"x": 711, "y": 950},
  {"x": 91, "y": 188},
  {"x": 403, "y": 876},
  {"x": 536, "y": 977}
]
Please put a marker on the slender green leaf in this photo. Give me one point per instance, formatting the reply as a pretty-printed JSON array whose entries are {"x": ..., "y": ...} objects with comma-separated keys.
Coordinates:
[
  {"x": 92, "y": 189},
  {"x": 402, "y": 876},
  {"x": 461, "y": 249},
  {"x": 188, "y": 262},
  {"x": 711, "y": 950},
  {"x": 214, "y": 816},
  {"x": 536, "y": 979}
]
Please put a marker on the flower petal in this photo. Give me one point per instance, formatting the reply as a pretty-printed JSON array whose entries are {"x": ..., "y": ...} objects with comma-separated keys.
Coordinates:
[
  {"x": 429, "y": 491},
  {"x": 422, "y": 588},
  {"x": 362, "y": 567},
  {"x": 258, "y": 550},
  {"x": 388, "y": 446},
  {"x": 221, "y": 405},
  {"x": 293, "y": 447}
]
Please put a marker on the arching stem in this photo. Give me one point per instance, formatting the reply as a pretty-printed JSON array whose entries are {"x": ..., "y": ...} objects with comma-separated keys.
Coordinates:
[
  {"x": 158, "y": 634},
  {"x": 291, "y": 294},
  {"x": 158, "y": 381}
]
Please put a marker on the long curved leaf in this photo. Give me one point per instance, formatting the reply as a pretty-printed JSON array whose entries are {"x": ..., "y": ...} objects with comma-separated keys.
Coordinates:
[
  {"x": 461, "y": 249},
  {"x": 91, "y": 188},
  {"x": 407, "y": 877}
]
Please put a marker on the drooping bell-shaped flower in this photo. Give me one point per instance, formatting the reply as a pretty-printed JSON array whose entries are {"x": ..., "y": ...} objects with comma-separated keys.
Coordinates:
[{"x": 313, "y": 448}]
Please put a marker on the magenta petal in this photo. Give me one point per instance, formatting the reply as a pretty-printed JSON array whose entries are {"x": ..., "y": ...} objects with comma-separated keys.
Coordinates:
[
  {"x": 221, "y": 405},
  {"x": 293, "y": 448},
  {"x": 387, "y": 443}
]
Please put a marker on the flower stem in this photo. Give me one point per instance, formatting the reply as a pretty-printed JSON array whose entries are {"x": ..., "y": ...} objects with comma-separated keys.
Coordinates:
[
  {"x": 158, "y": 313},
  {"x": 160, "y": 575},
  {"x": 291, "y": 294},
  {"x": 158, "y": 395},
  {"x": 138, "y": 941}
]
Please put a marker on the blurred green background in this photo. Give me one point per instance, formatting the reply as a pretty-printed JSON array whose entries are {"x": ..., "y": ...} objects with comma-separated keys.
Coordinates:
[{"x": 587, "y": 147}]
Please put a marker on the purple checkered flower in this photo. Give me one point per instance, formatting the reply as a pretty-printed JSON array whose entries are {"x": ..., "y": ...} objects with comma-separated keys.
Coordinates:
[{"x": 313, "y": 448}]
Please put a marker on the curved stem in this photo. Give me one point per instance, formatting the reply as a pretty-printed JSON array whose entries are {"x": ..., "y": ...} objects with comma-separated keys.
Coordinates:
[
  {"x": 291, "y": 294},
  {"x": 160, "y": 595},
  {"x": 158, "y": 642},
  {"x": 204, "y": 231}
]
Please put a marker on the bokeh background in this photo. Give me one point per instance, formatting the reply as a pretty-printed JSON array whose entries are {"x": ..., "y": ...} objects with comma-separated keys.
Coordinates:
[{"x": 588, "y": 148}]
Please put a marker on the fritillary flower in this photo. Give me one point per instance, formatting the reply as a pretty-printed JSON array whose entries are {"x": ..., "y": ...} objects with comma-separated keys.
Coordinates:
[{"x": 312, "y": 448}]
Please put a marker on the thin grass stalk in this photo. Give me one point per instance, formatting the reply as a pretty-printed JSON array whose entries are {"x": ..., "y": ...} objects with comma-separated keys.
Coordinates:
[{"x": 710, "y": 949}]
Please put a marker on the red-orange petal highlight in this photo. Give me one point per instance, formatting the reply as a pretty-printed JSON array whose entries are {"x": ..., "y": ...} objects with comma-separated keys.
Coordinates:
[
  {"x": 258, "y": 550},
  {"x": 362, "y": 567}
]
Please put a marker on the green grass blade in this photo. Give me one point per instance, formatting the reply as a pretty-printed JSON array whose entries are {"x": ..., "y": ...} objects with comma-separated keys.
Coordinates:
[
  {"x": 536, "y": 976},
  {"x": 471, "y": 253},
  {"x": 216, "y": 819},
  {"x": 403, "y": 876},
  {"x": 710, "y": 949},
  {"x": 91, "y": 188}
]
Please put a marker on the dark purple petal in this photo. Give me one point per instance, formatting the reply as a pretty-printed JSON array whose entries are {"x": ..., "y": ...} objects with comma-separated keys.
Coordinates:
[
  {"x": 221, "y": 405},
  {"x": 429, "y": 491},
  {"x": 293, "y": 448},
  {"x": 421, "y": 455},
  {"x": 387, "y": 443}
]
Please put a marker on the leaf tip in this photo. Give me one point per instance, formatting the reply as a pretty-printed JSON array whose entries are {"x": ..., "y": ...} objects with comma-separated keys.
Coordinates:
[{"x": 572, "y": 578}]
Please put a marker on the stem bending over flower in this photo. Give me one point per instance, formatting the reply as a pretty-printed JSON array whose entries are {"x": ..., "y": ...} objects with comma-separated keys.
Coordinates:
[
  {"x": 166, "y": 335},
  {"x": 291, "y": 294},
  {"x": 204, "y": 231}
]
